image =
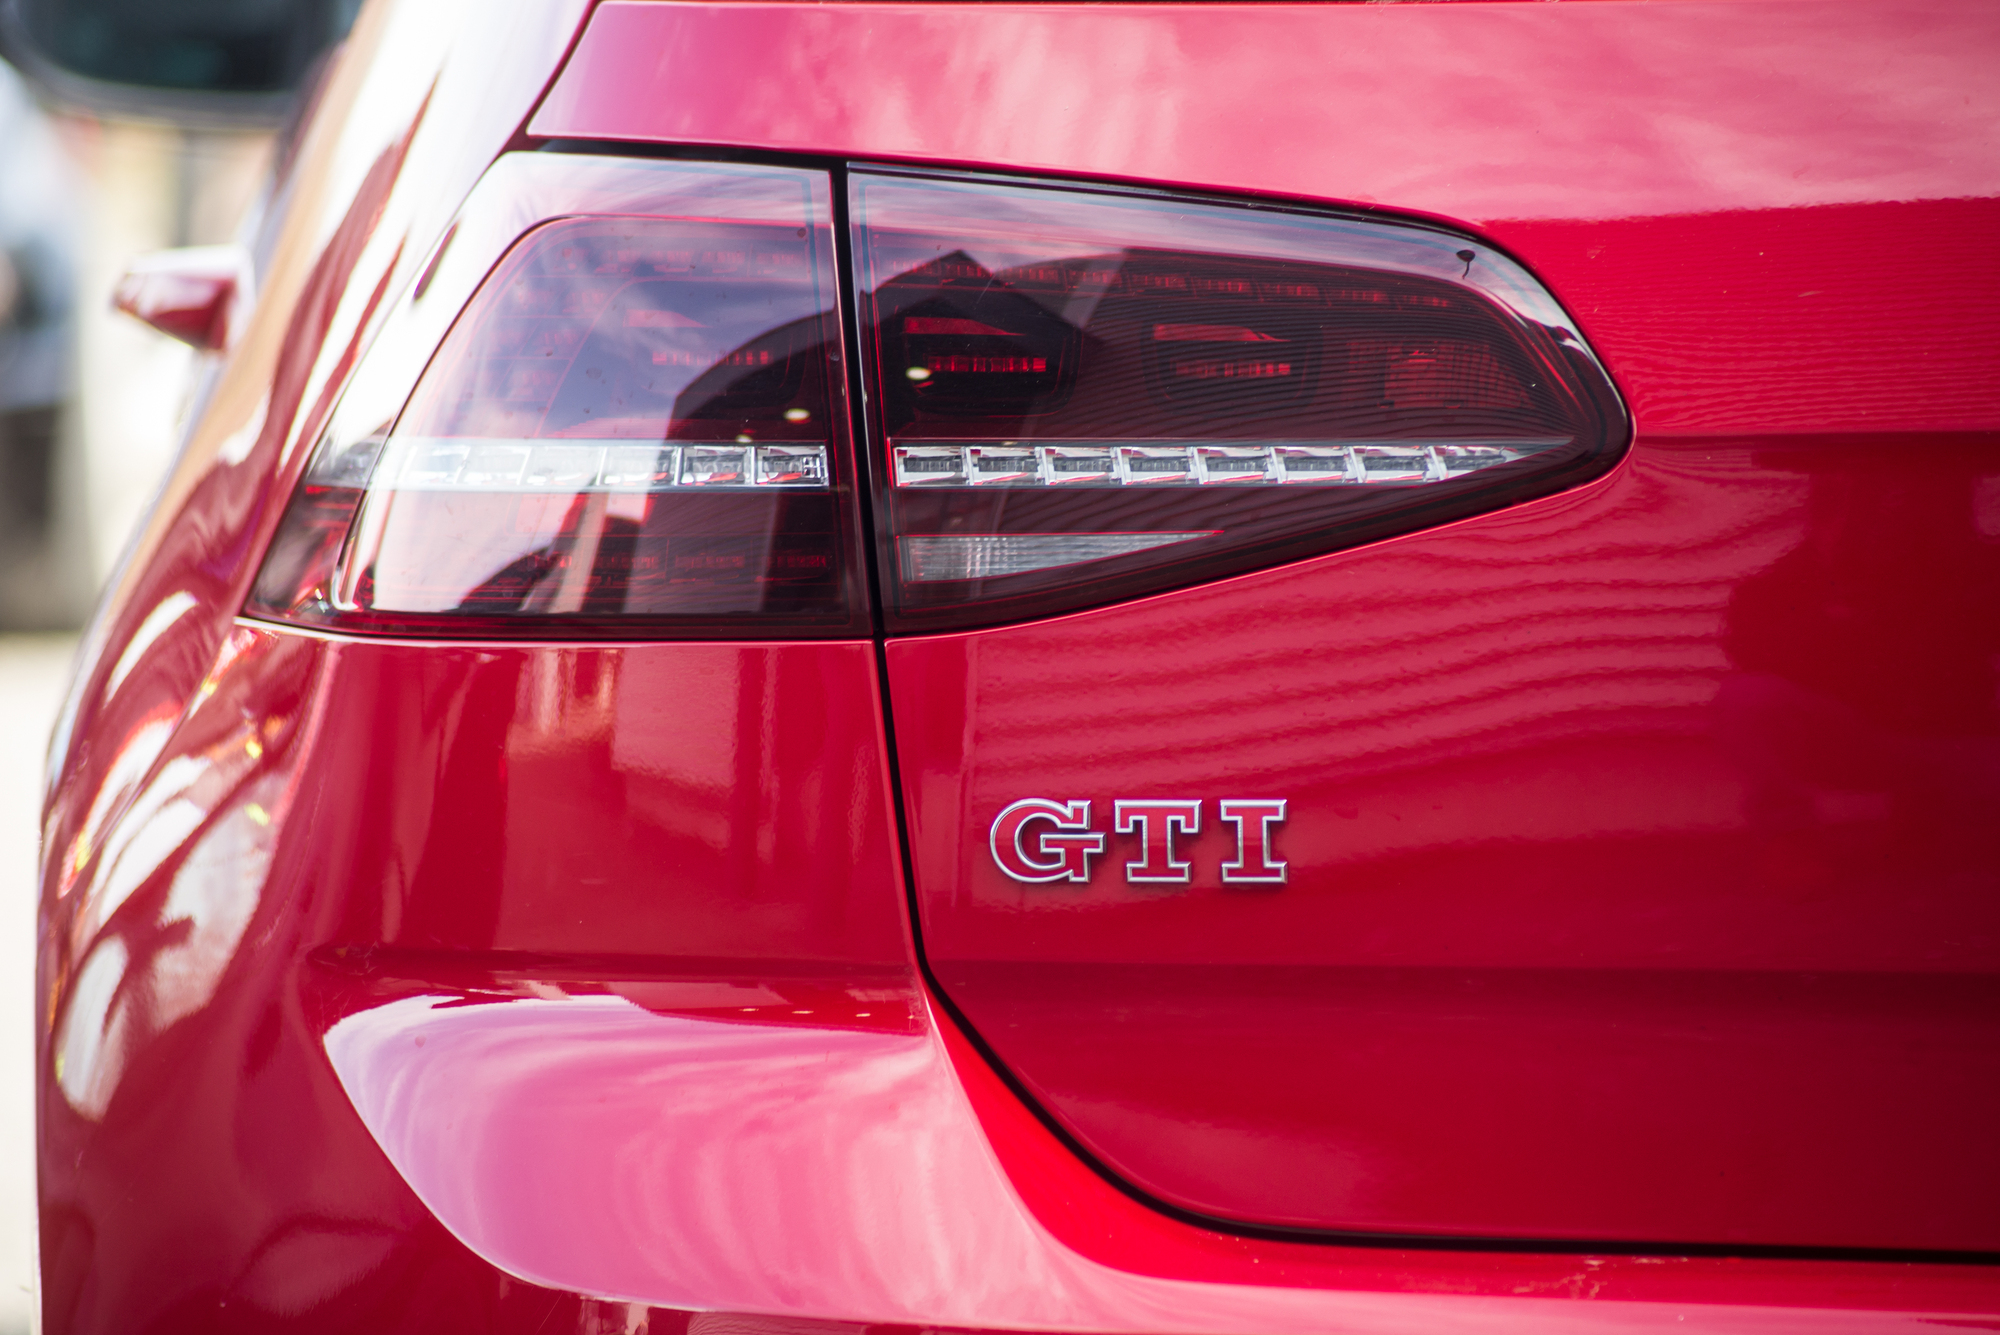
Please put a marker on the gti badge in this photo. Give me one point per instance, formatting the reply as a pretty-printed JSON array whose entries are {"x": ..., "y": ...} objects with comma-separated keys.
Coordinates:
[{"x": 1037, "y": 839}]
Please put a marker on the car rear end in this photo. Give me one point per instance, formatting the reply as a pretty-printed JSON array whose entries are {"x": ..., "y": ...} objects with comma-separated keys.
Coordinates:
[{"x": 1042, "y": 667}]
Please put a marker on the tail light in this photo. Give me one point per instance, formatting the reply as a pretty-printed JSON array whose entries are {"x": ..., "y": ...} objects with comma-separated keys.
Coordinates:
[
  {"x": 631, "y": 419},
  {"x": 1083, "y": 395},
  {"x": 637, "y": 426}
]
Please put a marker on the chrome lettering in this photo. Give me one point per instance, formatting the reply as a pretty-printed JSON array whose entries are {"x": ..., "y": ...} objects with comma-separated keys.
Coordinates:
[
  {"x": 1155, "y": 820},
  {"x": 1254, "y": 864},
  {"x": 1028, "y": 853}
]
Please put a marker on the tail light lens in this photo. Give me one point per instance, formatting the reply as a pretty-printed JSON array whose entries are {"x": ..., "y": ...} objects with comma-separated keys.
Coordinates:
[
  {"x": 1088, "y": 395},
  {"x": 637, "y": 426},
  {"x": 621, "y": 410}
]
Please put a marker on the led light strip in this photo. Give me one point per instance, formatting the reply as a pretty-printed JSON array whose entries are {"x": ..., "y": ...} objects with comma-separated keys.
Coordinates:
[
  {"x": 1144, "y": 463},
  {"x": 463, "y": 463}
]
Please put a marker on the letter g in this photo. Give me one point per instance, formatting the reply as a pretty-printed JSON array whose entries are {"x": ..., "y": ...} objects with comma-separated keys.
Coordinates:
[{"x": 1027, "y": 852}]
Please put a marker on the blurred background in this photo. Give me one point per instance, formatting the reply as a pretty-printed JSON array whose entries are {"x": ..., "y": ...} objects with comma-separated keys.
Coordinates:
[{"x": 91, "y": 407}]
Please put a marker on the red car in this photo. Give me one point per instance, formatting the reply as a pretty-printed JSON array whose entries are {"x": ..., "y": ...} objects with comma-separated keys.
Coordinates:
[{"x": 1115, "y": 668}]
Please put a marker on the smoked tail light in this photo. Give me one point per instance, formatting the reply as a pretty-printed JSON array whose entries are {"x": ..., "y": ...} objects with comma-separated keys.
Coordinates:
[
  {"x": 616, "y": 405},
  {"x": 637, "y": 426},
  {"x": 1082, "y": 395}
]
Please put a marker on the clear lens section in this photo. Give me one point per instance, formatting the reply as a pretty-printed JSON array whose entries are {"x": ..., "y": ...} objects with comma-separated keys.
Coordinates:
[
  {"x": 299, "y": 569},
  {"x": 632, "y": 424},
  {"x": 1070, "y": 387},
  {"x": 952, "y": 556}
]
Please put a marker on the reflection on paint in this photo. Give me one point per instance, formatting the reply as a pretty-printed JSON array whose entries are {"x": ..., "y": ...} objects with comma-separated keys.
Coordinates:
[
  {"x": 215, "y": 892},
  {"x": 140, "y": 980},
  {"x": 142, "y": 746},
  {"x": 160, "y": 821},
  {"x": 157, "y": 623},
  {"x": 109, "y": 809},
  {"x": 239, "y": 643},
  {"x": 90, "y": 1045}
]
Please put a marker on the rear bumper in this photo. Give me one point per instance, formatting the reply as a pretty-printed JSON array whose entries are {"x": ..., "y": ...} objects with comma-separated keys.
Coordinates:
[
  {"x": 328, "y": 1063},
  {"x": 835, "y": 1150}
]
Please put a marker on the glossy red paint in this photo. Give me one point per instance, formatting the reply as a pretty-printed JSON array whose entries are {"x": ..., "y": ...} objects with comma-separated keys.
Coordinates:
[
  {"x": 187, "y": 294},
  {"x": 1632, "y": 711},
  {"x": 268, "y": 859},
  {"x": 1631, "y": 884},
  {"x": 184, "y": 1190},
  {"x": 653, "y": 801},
  {"x": 338, "y": 237},
  {"x": 1551, "y": 806},
  {"x": 596, "y": 1136}
]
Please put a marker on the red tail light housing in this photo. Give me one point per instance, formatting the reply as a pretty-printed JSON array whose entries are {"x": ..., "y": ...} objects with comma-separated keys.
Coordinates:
[
  {"x": 1084, "y": 395},
  {"x": 637, "y": 427},
  {"x": 632, "y": 420}
]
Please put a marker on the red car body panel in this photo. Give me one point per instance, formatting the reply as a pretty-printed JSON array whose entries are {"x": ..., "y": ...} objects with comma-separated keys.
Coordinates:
[
  {"x": 1568, "y": 950},
  {"x": 1562, "y": 743},
  {"x": 610, "y": 802},
  {"x": 1627, "y": 153},
  {"x": 586, "y": 1129},
  {"x": 874, "y": 1145},
  {"x": 574, "y": 987}
]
